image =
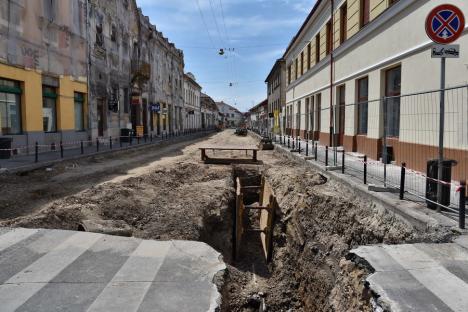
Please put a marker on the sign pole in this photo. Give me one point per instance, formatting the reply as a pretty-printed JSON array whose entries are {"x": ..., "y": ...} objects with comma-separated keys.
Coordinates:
[
  {"x": 444, "y": 25},
  {"x": 441, "y": 132}
]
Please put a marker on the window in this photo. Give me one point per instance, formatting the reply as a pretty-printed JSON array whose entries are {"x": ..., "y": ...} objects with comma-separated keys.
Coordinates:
[
  {"x": 329, "y": 38},
  {"x": 343, "y": 22},
  {"x": 363, "y": 106},
  {"x": 49, "y": 109},
  {"x": 289, "y": 74},
  {"x": 50, "y": 9},
  {"x": 392, "y": 2},
  {"x": 392, "y": 102},
  {"x": 307, "y": 124},
  {"x": 79, "y": 111},
  {"x": 365, "y": 12},
  {"x": 309, "y": 55},
  {"x": 318, "y": 114},
  {"x": 296, "y": 68},
  {"x": 10, "y": 107},
  {"x": 302, "y": 63},
  {"x": 311, "y": 114},
  {"x": 317, "y": 48}
]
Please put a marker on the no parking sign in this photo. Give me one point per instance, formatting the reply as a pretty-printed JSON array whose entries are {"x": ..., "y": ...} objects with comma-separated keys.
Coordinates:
[{"x": 445, "y": 24}]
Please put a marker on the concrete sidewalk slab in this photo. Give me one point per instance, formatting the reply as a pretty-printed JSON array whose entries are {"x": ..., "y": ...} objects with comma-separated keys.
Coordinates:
[
  {"x": 418, "y": 277},
  {"x": 55, "y": 270}
]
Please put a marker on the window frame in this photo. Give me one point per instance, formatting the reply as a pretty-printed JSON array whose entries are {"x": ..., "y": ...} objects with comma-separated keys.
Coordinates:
[
  {"x": 80, "y": 98},
  {"x": 49, "y": 95},
  {"x": 362, "y": 100},
  {"x": 17, "y": 92},
  {"x": 344, "y": 22}
]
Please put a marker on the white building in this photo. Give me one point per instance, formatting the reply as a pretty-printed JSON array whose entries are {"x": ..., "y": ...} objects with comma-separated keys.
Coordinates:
[
  {"x": 232, "y": 117},
  {"x": 372, "y": 49},
  {"x": 192, "y": 102}
]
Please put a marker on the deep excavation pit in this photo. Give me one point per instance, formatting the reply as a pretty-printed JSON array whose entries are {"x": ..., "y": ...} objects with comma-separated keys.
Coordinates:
[{"x": 317, "y": 222}]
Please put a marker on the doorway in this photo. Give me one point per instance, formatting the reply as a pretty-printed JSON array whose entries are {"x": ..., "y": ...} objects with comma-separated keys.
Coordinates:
[{"x": 100, "y": 117}]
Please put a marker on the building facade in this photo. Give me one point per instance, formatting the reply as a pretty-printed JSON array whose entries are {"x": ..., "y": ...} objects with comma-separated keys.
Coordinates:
[
  {"x": 348, "y": 55},
  {"x": 276, "y": 89},
  {"x": 259, "y": 118},
  {"x": 192, "y": 102},
  {"x": 43, "y": 71},
  {"x": 230, "y": 116},
  {"x": 209, "y": 112},
  {"x": 74, "y": 70},
  {"x": 135, "y": 73}
]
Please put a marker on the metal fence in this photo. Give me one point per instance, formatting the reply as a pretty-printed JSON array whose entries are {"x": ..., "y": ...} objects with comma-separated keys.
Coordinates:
[
  {"x": 395, "y": 142},
  {"x": 24, "y": 156}
]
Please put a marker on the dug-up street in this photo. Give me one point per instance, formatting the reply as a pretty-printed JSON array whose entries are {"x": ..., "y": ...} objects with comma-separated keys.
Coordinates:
[{"x": 330, "y": 246}]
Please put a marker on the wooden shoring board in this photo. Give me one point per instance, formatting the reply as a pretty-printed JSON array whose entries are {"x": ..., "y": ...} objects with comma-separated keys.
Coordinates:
[
  {"x": 267, "y": 199},
  {"x": 239, "y": 229}
]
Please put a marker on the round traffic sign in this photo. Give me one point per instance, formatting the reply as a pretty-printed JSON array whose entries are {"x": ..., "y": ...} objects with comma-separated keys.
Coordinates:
[{"x": 445, "y": 24}]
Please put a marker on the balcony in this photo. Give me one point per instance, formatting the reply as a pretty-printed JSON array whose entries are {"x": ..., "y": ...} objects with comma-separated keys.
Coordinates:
[{"x": 141, "y": 70}]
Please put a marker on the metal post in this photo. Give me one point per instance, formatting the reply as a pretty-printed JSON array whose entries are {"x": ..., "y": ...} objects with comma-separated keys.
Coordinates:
[
  {"x": 130, "y": 139},
  {"x": 299, "y": 145},
  {"x": 365, "y": 169},
  {"x": 36, "y": 153},
  {"x": 293, "y": 143},
  {"x": 402, "y": 181},
  {"x": 82, "y": 147},
  {"x": 343, "y": 162},
  {"x": 441, "y": 132},
  {"x": 61, "y": 149},
  {"x": 151, "y": 137},
  {"x": 307, "y": 146},
  {"x": 144, "y": 137},
  {"x": 288, "y": 141},
  {"x": 120, "y": 142},
  {"x": 462, "y": 206},
  {"x": 97, "y": 144},
  {"x": 316, "y": 152},
  {"x": 384, "y": 141},
  {"x": 326, "y": 156}
]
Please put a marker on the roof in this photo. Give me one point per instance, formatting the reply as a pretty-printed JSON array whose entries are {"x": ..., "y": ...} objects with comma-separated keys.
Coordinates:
[
  {"x": 294, "y": 39},
  {"x": 262, "y": 103},
  {"x": 230, "y": 106},
  {"x": 191, "y": 79},
  {"x": 277, "y": 63}
]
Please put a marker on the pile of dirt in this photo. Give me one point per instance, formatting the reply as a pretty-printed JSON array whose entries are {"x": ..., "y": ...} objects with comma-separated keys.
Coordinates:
[
  {"x": 319, "y": 222},
  {"x": 171, "y": 203}
]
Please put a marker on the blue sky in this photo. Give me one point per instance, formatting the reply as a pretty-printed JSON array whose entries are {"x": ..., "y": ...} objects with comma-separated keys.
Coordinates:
[{"x": 256, "y": 31}]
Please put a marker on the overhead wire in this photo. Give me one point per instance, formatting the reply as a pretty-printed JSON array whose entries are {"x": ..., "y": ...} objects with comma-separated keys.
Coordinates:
[{"x": 204, "y": 22}]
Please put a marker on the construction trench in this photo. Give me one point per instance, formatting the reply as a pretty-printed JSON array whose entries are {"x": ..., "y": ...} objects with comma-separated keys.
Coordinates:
[{"x": 167, "y": 193}]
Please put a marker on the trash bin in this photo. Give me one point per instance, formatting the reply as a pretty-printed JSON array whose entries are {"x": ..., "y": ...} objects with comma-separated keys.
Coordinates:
[
  {"x": 125, "y": 134},
  {"x": 431, "y": 185},
  {"x": 5, "y": 148}
]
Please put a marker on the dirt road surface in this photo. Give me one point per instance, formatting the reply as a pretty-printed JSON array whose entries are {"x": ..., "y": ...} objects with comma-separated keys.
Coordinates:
[{"x": 166, "y": 192}]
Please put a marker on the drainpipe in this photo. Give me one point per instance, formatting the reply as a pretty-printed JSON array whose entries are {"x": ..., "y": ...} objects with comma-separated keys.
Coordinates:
[
  {"x": 332, "y": 128},
  {"x": 88, "y": 71}
]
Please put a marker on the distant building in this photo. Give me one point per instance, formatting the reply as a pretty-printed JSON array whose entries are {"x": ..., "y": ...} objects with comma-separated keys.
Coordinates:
[
  {"x": 192, "y": 91},
  {"x": 232, "y": 117},
  {"x": 276, "y": 89},
  {"x": 209, "y": 112},
  {"x": 258, "y": 118}
]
